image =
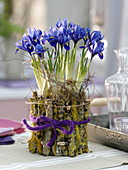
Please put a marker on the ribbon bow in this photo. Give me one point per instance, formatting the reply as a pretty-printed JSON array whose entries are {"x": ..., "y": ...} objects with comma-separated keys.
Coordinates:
[{"x": 45, "y": 122}]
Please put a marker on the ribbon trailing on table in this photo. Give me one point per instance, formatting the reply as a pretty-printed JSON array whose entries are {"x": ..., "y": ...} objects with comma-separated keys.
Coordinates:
[{"x": 43, "y": 122}]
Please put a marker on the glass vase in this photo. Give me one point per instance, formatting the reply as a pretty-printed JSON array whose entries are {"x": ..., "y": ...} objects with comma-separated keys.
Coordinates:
[{"x": 117, "y": 89}]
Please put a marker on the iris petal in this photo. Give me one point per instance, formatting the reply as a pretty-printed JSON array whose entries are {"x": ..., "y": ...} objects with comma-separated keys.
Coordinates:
[{"x": 66, "y": 46}]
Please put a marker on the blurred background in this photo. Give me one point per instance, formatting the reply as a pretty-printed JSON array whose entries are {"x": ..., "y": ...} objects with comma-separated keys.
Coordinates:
[{"x": 16, "y": 77}]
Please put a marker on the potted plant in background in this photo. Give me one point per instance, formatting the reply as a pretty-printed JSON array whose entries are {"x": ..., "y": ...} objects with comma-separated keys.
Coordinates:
[
  {"x": 60, "y": 107},
  {"x": 8, "y": 35}
]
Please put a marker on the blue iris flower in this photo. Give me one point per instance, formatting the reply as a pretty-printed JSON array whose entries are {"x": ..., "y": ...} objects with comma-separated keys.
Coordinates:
[
  {"x": 32, "y": 43},
  {"x": 63, "y": 37},
  {"x": 93, "y": 43},
  {"x": 64, "y": 23},
  {"x": 58, "y": 35},
  {"x": 76, "y": 33},
  {"x": 35, "y": 36},
  {"x": 51, "y": 36},
  {"x": 39, "y": 49},
  {"x": 25, "y": 44},
  {"x": 63, "y": 40},
  {"x": 98, "y": 49}
]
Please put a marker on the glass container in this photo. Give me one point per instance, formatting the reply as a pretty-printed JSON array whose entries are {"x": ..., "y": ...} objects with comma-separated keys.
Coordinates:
[
  {"x": 117, "y": 89},
  {"x": 121, "y": 124}
]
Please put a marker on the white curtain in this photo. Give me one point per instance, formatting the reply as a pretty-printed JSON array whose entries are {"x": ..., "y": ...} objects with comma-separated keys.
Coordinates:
[
  {"x": 112, "y": 19},
  {"x": 113, "y": 29}
]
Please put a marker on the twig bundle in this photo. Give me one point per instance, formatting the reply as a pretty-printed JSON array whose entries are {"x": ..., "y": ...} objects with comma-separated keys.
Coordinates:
[{"x": 59, "y": 109}]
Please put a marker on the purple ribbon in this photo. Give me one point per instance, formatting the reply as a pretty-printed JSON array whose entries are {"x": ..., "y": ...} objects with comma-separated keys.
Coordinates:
[{"x": 45, "y": 122}]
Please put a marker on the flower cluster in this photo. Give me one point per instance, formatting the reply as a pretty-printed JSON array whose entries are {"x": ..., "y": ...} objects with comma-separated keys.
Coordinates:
[
  {"x": 62, "y": 34},
  {"x": 61, "y": 55},
  {"x": 32, "y": 43}
]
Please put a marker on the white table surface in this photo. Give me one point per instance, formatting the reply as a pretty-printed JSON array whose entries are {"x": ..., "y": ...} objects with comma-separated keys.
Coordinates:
[{"x": 17, "y": 157}]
